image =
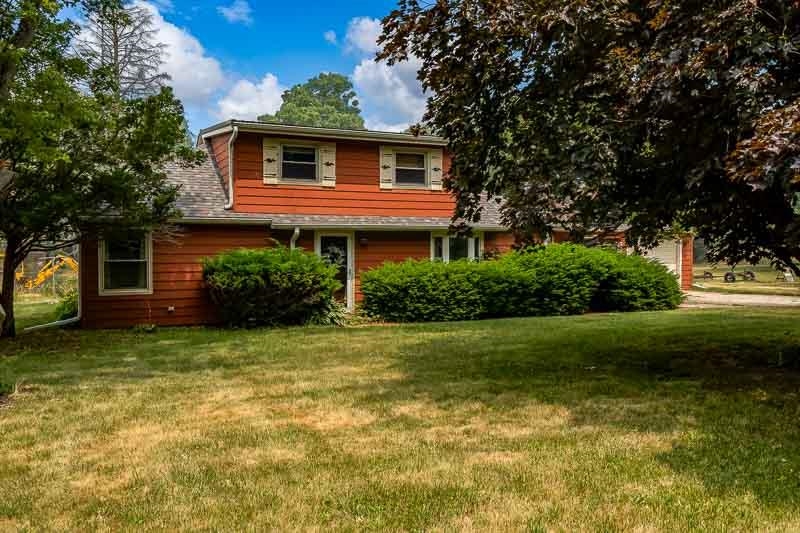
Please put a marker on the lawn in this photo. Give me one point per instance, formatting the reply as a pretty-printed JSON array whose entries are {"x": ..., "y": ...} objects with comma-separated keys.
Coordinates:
[
  {"x": 683, "y": 420},
  {"x": 765, "y": 282}
]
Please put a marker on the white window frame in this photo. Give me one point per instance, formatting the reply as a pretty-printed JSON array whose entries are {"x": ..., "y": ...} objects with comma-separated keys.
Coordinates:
[
  {"x": 427, "y": 168},
  {"x": 317, "y": 165},
  {"x": 472, "y": 254},
  {"x": 350, "y": 296},
  {"x": 101, "y": 260}
]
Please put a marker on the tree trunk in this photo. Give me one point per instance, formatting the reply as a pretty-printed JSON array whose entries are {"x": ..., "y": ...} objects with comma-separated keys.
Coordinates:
[{"x": 7, "y": 294}]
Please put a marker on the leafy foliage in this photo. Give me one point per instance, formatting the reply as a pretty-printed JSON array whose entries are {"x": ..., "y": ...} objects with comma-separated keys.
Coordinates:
[
  {"x": 271, "y": 286},
  {"x": 593, "y": 115},
  {"x": 327, "y": 100},
  {"x": 562, "y": 279},
  {"x": 75, "y": 163},
  {"x": 68, "y": 305}
]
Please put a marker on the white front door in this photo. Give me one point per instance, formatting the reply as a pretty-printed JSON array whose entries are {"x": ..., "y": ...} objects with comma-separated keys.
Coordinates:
[{"x": 337, "y": 248}]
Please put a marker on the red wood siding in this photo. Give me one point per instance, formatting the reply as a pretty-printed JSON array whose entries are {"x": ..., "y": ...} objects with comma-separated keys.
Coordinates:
[
  {"x": 498, "y": 242},
  {"x": 219, "y": 151},
  {"x": 357, "y": 190},
  {"x": 687, "y": 263},
  {"x": 381, "y": 246},
  {"x": 177, "y": 279}
]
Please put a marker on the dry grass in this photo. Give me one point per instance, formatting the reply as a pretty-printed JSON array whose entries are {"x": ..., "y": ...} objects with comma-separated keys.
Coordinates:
[{"x": 645, "y": 422}]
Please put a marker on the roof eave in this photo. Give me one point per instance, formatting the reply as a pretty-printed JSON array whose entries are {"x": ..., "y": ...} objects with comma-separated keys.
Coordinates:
[{"x": 327, "y": 133}]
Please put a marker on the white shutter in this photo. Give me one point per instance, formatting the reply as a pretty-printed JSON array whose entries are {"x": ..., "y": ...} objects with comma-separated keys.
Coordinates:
[
  {"x": 272, "y": 153},
  {"x": 437, "y": 164},
  {"x": 387, "y": 167},
  {"x": 327, "y": 155}
]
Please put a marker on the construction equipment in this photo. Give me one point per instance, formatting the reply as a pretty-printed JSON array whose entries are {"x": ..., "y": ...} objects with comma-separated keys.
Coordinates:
[
  {"x": 19, "y": 275},
  {"x": 49, "y": 270}
]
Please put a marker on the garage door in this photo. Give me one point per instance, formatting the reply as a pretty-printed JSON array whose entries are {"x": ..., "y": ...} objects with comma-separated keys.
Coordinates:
[{"x": 667, "y": 253}]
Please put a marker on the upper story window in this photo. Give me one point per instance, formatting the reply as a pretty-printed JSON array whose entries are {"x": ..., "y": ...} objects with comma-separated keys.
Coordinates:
[
  {"x": 454, "y": 247},
  {"x": 410, "y": 169},
  {"x": 299, "y": 163},
  {"x": 126, "y": 265},
  {"x": 306, "y": 163}
]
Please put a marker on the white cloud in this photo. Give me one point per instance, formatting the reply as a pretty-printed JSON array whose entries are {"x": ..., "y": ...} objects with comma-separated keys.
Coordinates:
[
  {"x": 247, "y": 100},
  {"x": 238, "y": 11},
  {"x": 390, "y": 95},
  {"x": 362, "y": 35},
  {"x": 195, "y": 75},
  {"x": 330, "y": 36}
]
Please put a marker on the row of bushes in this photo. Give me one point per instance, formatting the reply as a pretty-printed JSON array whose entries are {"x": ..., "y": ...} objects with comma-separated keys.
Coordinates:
[
  {"x": 562, "y": 279},
  {"x": 280, "y": 286}
]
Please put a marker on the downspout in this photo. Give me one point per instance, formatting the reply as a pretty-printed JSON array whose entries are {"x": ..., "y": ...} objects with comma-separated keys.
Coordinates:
[
  {"x": 231, "y": 140},
  {"x": 295, "y": 236},
  {"x": 68, "y": 321}
]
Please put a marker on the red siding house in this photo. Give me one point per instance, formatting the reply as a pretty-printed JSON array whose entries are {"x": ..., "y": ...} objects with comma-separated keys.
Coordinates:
[{"x": 368, "y": 197}]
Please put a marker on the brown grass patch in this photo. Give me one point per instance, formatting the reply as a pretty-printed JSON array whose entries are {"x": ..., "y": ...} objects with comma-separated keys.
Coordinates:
[
  {"x": 495, "y": 458},
  {"x": 333, "y": 419}
]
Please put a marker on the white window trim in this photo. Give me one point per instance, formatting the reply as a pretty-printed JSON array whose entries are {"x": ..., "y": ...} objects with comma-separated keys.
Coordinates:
[
  {"x": 317, "y": 167},
  {"x": 101, "y": 255},
  {"x": 427, "y": 168},
  {"x": 350, "y": 296},
  {"x": 472, "y": 254}
]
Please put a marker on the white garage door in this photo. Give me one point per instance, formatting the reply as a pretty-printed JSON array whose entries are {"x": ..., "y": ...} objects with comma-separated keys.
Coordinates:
[{"x": 668, "y": 253}]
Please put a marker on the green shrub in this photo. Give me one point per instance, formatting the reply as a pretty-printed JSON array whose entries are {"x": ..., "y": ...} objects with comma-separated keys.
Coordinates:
[
  {"x": 68, "y": 305},
  {"x": 562, "y": 279},
  {"x": 334, "y": 313},
  {"x": 271, "y": 286}
]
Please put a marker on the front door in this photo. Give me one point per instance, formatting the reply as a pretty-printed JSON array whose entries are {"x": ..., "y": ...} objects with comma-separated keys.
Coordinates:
[{"x": 337, "y": 250}]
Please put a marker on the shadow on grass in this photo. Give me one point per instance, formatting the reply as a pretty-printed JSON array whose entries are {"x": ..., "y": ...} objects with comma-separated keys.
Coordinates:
[
  {"x": 726, "y": 382},
  {"x": 730, "y": 389}
]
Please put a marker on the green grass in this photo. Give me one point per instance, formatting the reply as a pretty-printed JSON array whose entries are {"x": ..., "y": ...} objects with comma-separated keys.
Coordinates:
[
  {"x": 670, "y": 421},
  {"x": 765, "y": 282},
  {"x": 33, "y": 310}
]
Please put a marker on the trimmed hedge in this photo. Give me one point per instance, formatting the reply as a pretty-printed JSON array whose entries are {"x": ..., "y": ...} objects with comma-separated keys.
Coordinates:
[
  {"x": 560, "y": 279},
  {"x": 271, "y": 286}
]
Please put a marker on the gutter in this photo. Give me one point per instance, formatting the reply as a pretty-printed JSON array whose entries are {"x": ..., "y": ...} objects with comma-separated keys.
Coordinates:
[
  {"x": 231, "y": 140},
  {"x": 295, "y": 236},
  {"x": 68, "y": 321}
]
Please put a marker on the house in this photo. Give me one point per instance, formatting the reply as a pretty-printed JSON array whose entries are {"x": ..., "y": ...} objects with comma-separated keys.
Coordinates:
[{"x": 360, "y": 197}]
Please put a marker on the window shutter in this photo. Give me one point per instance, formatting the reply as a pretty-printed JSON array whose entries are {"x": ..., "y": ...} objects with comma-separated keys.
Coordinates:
[
  {"x": 437, "y": 162},
  {"x": 387, "y": 167},
  {"x": 327, "y": 155},
  {"x": 272, "y": 152}
]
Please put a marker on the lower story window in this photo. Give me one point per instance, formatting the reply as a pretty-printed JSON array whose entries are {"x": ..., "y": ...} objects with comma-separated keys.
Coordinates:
[
  {"x": 454, "y": 247},
  {"x": 126, "y": 264}
]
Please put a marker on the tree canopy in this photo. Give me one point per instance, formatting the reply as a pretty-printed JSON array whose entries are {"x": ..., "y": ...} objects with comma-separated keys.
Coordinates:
[
  {"x": 123, "y": 41},
  {"x": 75, "y": 163},
  {"x": 638, "y": 114},
  {"x": 327, "y": 100}
]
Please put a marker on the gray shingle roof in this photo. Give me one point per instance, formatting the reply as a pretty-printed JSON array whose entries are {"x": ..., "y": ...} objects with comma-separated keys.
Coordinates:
[{"x": 204, "y": 193}]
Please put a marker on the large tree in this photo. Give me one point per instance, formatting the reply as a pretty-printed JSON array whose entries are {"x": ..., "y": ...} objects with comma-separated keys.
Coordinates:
[
  {"x": 123, "y": 41},
  {"x": 637, "y": 114},
  {"x": 327, "y": 100},
  {"x": 75, "y": 163}
]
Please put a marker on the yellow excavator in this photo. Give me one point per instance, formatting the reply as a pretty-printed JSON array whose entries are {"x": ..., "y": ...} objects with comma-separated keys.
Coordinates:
[{"x": 49, "y": 270}]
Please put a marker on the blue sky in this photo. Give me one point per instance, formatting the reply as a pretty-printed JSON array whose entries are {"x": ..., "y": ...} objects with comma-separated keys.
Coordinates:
[{"x": 233, "y": 58}]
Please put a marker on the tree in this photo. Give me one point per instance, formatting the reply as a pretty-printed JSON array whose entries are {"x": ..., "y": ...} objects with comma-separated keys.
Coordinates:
[
  {"x": 76, "y": 163},
  {"x": 637, "y": 114},
  {"x": 123, "y": 40},
  {"x": 327, "y": 101}
]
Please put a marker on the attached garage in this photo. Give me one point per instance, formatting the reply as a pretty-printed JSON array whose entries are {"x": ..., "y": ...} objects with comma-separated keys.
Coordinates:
[{"x": 678, "y": 256}]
